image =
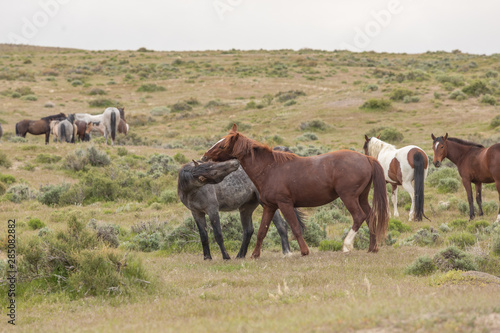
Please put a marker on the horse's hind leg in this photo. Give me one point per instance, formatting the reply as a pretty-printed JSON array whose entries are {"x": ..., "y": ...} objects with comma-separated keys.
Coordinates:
[
  {"x": 358, "y": 217},
  {"x": 409, "y": 188},
  {"x": 215, "y": 221},
  {"x": 246, "y": 222},
  {"x": 365, "y": 205},
  {"x": 202, "y": 228},
  {"x": 497, "y": 183},
  {"x": 479, "y": 200},
  {"x": 291, "y": 217},
  {"x": 282, "y": 231},
  {"x": 395, "y": 199}
]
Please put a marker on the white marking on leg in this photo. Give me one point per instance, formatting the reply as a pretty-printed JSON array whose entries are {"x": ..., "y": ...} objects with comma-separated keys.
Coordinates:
[
  {"x": 498, "y": 218},
  {"x": 409, "y": 188},
  {"x": 395, "y": 202},
  {"x": 349, "y": 241}
]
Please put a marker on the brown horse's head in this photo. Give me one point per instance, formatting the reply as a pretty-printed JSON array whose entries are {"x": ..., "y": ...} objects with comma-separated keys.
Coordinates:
[
  {"x": 440, "y": 148},
  {"x": 223, "y": 149}
]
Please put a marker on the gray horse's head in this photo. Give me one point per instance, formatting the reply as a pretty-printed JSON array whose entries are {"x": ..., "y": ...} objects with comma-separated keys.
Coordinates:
[{"x": 198, "y": 174}]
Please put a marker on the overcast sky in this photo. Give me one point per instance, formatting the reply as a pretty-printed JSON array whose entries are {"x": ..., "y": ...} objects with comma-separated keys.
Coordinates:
[{"x": 411, "y": 26}]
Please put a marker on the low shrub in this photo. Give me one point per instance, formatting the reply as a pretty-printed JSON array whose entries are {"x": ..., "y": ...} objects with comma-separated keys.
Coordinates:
[
  {"x": 97, "y": 157},
  {"x": 314, "y": 234},
  {"x": 488, "y": 99},
  {"x": 399, "y": 94},
  {"x": 35, "y": 224},
  {"x": 181, "y": 106},
  {"x": 495, "y": 244},
  {"x": 97, "y": 91},
  {"x": 442, "y": 173},
  {"x": 389, "y": 134},
  {"x": 330, "y": 245},
  {"x": 459, "y": 223},
  {"x": 397, "y": 225},
  {"x": 328, "y": 215},
  {"x": 150, "y": 87},
  {"x": 478, "y": 226},
  {"x": 31, "y": 98},
  {"x": 458, "y": 95},
  {"x": 421, "y": 267},
  {"x": 289, "y": 95},
  {"x": 448, "y": 185},
  {"x": 102, "y": 103},
  {"x": 453, "y": 258},
  {"x": 169, "y": 196},
  {"x": 4, "y": 161},
  {"x": 18, "y": 193},
  {"x": 477, "y": 88},
  {"x": 51, "y": 194},
  {"x": 462, "y": 239},
  {"x": 107, "y": 233},
  {"x": 495, "y": 122},
  {"x": 376, "y": 104},
  {"x": 47, "y": 158},
  {"x": 316, "y": 124}
]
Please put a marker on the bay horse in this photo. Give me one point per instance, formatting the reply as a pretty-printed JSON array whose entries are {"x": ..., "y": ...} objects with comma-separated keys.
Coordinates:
[
  {"x": 83, "y": 129},
  {"x": 37, "y": 127},
  {"x": 476, "y": 165},
  {"x": 204, "y": 195},
  {"x": 402, "y": 167},
  {"x": 285, "y": 181}
]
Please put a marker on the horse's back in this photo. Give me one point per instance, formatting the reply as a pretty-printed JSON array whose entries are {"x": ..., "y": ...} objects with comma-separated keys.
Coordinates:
[
  {"x": 493, "y": 161},
  {"x": 235, "y": 191}
]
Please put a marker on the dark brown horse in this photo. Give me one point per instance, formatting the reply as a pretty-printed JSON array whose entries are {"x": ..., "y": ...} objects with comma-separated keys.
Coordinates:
[
  {"x": 285, "y": 180},
  {"x": 37, "y": 127},
  {"x": 83, "y": 129},
  {"x": 476, "y": 165}
]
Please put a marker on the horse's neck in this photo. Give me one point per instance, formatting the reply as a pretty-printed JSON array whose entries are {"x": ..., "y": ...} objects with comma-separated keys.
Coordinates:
[
  {"x": 383, "y": 148},
  {"x": 255, "y": 167},
  {"x": 456, "y": 152}
]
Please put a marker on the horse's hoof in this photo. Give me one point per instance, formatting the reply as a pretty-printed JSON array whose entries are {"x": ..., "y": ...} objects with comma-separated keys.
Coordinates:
[
  {"x": 287, "y": 254},
  {"x": 207, "y": 258},
  {"x": 255, "y": 256}
]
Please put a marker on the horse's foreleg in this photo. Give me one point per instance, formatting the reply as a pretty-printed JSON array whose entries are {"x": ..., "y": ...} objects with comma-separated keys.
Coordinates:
[
  {"x": 246, "y": 223},
  {"x": 497, "y": 183},
  {"x": 47, "y": 138},
  {"x": 282, "y": 231},
  {"x": 202, "y": 228},
  {"x": 411, "y": 191},
  {"x": 267, "y": 216},
  {"x": 289, "y": 213},
  {"x": 479, "y": 200},
  {"x": 468, "y": 190},
  {"x": 215, "y": 221},
  {"x": 395, "y": 199}
]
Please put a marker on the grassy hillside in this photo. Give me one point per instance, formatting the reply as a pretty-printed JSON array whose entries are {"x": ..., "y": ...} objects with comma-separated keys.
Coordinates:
[{"x": 177, "y": 105}]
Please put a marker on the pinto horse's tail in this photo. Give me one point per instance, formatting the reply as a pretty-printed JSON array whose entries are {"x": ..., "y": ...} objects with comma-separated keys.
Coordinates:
[
  {"x": 113, "y": 126},
  {"x": 418, "y": 177},
  {"x": 379, "y": 217}
]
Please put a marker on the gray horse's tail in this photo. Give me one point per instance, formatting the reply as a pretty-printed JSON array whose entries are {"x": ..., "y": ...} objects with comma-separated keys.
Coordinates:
[
  {"x": 73, "y": 138},
  {"x": 17, "y": 130},
  {"x": 62, "y": 132},
  {"x": 113, "y": 126}
]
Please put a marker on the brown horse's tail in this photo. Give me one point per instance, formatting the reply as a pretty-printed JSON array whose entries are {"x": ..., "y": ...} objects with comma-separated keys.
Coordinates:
[
  {"x": 17, "y": 130},
  {"x": 379, "y": 213}
]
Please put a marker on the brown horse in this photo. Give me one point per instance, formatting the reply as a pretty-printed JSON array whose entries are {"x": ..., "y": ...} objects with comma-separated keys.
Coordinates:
[
  {"x": 476, "y": 165},
  {"x": 285, "y": 180},
  {"x": 83, "y": 129},
  {"x": 37, "y": 127}
]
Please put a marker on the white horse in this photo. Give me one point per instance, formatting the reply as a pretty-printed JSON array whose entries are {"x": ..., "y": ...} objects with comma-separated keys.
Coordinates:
[
  {"x": 111, "y": 119},
  {"x": 89, "y": 118},
  {"x": 402, "y": 167}
]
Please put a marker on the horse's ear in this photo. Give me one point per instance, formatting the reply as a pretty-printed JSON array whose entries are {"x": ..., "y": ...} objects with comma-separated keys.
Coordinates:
[
  {"x": 445, "y": 137},
  {"x": 378, "y": 136},
  {"x": 367, "y": 138},
  {"x": 195, "y": 163},
  {"x": 202, "y": 179},
  {"x": 433, "y": 137},
  {"x": 234, "y": 129}
]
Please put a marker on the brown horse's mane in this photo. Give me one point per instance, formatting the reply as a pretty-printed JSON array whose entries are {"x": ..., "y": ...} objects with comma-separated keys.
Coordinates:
[
  {"x": 54, "y": 117},
  {"x": 244, "y": 146},
  {"x": 465, "y": 143}
]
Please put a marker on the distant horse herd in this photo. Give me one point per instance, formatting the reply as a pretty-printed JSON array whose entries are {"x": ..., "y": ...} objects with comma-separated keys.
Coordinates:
[
  {"x": 76, "y": 126},
  {"x": 238, "y": 173}
]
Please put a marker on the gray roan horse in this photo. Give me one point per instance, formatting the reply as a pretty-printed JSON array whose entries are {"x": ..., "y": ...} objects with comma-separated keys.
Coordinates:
[{"x": 202, "y": 193}]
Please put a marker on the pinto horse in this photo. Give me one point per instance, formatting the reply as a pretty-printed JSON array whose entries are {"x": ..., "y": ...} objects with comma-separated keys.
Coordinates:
[
  {"x": 476, "y": 165},
  {"x": 402, "y": 167},
  {"x": 285, "y": 180},
  {"x": 37, "y": 127}
]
